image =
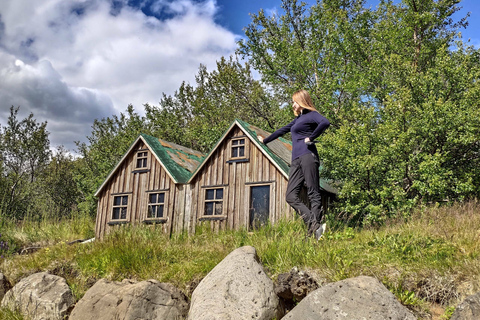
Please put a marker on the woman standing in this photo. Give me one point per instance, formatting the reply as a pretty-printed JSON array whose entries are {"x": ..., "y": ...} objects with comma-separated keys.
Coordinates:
[{"x": 307, "y": 126}]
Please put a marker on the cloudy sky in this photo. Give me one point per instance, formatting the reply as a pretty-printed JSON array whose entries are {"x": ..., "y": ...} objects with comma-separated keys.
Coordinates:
[{"x": 72, "y": 61}]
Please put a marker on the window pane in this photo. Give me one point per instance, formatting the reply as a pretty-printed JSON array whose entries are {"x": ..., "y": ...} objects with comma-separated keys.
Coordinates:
[
  {"x": 234, "y": 142},
  {"x": 116, "y": 213},
  {"x": 151, "y": 211},
  {"x": 241, "y": 151},
  {"x": 124, "y": 213},
  {"x": 218, "y": 208},
  {"x": 116, "y": 201},
  {"x": 219, "y": 194},
  {"x": 124, "y": 200},
  {"x": 144, "y": 163},
  {"x": 153, "y": 198},
  {"x": 234, "y": 152},
  {"x": 161, "y": 197},
  {"x": 209, "y": 194},
  {"x": 208, "y": 208},
  {"x": 160, "y": 211},
  {"x": 242, "y": 141}
]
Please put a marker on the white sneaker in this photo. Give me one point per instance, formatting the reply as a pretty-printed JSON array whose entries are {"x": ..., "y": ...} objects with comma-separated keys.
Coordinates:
[{"x": 319, "y": 232}]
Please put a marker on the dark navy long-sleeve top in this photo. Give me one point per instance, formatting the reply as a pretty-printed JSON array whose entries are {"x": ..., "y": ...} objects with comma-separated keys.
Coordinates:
[{"x": 309, "y": 124}]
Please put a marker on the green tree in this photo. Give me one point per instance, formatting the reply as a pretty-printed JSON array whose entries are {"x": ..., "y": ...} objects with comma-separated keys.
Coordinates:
[
  {"x": 400, "y": 92},
  {"x": 197, "y": 116},
  {"x": 322, "y": 49},
  {"x": 110, "y": 139},
  {"x": 60, "y": 194},
  {"x": 24, "y": 152}
]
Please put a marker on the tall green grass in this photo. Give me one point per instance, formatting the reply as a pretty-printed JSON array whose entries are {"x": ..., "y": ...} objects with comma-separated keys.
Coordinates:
[{"x": 431, "y": 258}]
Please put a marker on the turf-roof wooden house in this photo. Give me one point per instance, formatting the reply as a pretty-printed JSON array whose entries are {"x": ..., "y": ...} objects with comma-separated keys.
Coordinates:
[
  {"x": 147, "y": 186},
  {"x": 240, "y": 183}
]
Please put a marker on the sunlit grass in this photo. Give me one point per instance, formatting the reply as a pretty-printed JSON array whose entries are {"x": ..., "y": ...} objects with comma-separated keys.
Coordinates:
[
  {"x": 7, "y": 314},
  {"x": 431, "y": 258}
]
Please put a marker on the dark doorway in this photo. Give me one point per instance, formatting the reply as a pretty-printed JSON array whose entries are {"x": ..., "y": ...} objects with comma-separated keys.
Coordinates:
[{"x": 259, "y": 206}]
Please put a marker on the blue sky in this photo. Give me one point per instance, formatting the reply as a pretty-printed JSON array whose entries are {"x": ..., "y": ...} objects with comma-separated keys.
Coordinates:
[
  {"x": 72, "y": 61},
  {"x": 234, "y": 15}
]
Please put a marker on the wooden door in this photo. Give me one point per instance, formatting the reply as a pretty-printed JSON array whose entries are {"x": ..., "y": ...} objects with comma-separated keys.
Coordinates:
[{"x": 259, "y": 206}]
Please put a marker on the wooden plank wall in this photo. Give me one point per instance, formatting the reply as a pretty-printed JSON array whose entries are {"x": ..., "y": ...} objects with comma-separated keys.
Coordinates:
[
  {"x": 136, "y": 185},
  {"x": 184, "y": 204},
  {"x": 237, "y": 177}
]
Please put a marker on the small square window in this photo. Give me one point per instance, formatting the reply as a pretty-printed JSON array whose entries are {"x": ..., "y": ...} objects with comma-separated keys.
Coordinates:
[
  {"x": 213, "y": 202},
  {"x": 238, "y": 148},
  {"x": 142, "y": 157}
]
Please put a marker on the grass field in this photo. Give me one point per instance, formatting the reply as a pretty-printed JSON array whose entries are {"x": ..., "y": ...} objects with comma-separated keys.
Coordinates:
[{"x": 430, "y": 261}]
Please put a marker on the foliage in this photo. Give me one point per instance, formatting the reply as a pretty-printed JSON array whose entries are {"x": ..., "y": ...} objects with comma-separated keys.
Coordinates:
[
  {"x": 7, "y": 314},
  {"x": 109, "y": 140},
  {"x": 399, "y": 90},
  {"x": 24, "y": 152},
  {"x": 60, "y": 194},
  {"x": 197, "y": 116},
  {"x": 34, "y": 181},
  {"x": 422, "y": 261}
]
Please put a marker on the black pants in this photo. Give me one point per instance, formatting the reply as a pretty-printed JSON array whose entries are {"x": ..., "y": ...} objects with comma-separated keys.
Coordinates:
[{"x": 304, "y": 169}]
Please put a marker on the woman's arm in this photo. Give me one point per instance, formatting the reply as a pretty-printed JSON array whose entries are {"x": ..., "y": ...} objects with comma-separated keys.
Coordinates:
[
  {"x": 322, "y": 125},
  {"x": 280, "y": 132}
]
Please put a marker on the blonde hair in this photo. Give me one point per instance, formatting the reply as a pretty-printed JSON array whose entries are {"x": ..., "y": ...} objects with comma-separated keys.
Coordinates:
[{"x": 304, "y": 100}]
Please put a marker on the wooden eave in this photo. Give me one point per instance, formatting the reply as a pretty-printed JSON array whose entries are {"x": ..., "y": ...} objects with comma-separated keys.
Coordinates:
[{"x": 140, "y": 137}]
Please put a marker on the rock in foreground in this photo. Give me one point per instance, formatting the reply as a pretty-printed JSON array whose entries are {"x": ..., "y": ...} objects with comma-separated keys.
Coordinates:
[
  {"x": 237, "y": 288},
  {"x": 131, "y": 300},
  {"x": 355, "y": 298}
]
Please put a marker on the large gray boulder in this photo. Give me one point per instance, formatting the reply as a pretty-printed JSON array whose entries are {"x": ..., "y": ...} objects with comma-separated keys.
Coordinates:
[
  {"x": 4, "y": 286},
  {"x": 41, "y": 296},
  {"x": 469, "y": 309},
  {"x": 356, "y": 298},
  {"x": 130, "y": 300},
  {"x": 237, "y": 288}
]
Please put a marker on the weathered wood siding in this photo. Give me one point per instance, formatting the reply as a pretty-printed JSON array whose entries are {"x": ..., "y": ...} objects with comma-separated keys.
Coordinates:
[
  {"x": 136, "y": 184},
  {"x": 236, "y": 178},
  {"x": 185, "y": 203}
]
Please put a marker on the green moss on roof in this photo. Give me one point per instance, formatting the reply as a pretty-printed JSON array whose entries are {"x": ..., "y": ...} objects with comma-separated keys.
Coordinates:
[{"x": 167, "y": 152}]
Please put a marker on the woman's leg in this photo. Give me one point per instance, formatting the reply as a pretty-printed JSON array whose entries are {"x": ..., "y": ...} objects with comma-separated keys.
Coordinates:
[
  {"x": 295, "y": 182},
  {"x": 310, "y": 166}
]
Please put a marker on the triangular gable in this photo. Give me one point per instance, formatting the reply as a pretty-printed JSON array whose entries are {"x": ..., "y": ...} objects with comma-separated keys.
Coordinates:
[
  {"x": 278, "y": 151},
  {"x": 174, "y": 159},
  {"x": 277, "y": 161}
]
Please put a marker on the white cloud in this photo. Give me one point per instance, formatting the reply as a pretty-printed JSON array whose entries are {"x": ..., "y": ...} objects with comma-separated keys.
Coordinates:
[{"x": 70, "y": 62}]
